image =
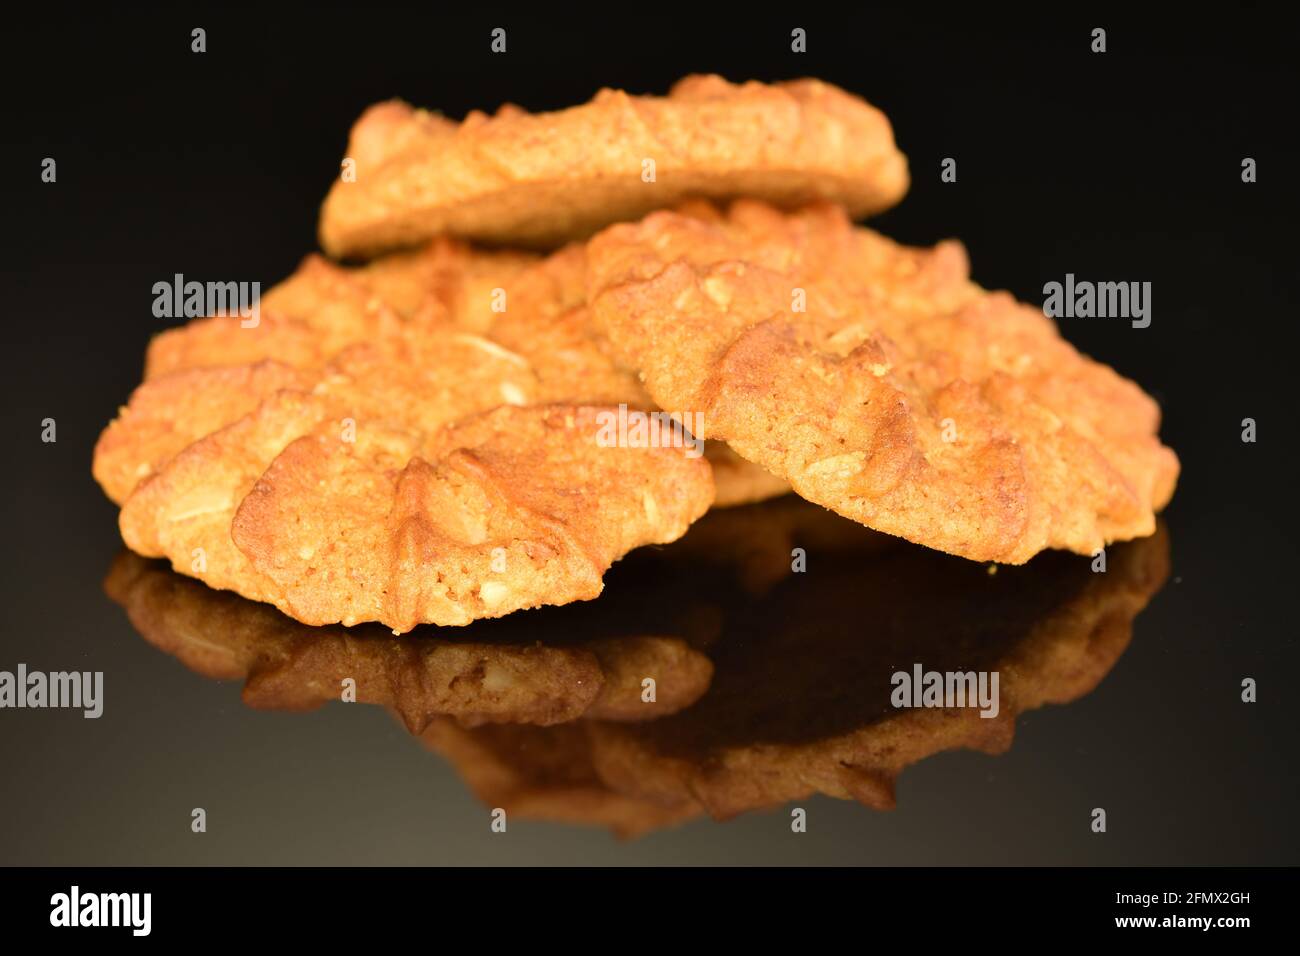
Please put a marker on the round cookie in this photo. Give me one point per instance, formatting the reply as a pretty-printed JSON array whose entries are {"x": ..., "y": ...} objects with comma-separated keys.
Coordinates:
[
  {"x": 542, "y": 179},
  {"x": 880, "y": 381}
]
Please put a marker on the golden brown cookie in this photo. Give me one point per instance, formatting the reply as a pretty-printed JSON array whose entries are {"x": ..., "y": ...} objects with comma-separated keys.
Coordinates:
[
  {"x": 880, "y": 381},
  {"x": 543, "y": 179},
  {"x": 363, "y": 436},
  {"x": 484, "y": 677},
  {"x": 366, "y": 505}
]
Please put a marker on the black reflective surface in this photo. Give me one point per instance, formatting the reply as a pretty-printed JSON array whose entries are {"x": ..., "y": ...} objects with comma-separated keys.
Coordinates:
[{"x": 1124, "y": 168}]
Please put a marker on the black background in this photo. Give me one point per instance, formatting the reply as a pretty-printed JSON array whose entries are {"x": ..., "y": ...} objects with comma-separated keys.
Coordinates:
[{"x": 1122, "y": 166}]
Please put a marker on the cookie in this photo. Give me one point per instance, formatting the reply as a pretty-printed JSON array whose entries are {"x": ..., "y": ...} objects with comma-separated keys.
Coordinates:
[
  {"x": 540, "y": 180},
  {"x": 358, "y": 501},
  {"x": 880, "y": 381}
]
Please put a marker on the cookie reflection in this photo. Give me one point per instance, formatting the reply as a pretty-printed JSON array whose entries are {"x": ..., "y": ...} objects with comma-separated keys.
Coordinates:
[
  {"x": 658, "y": 614},
  {"x": 800, "y": 701},
  {"x": 513, "y": 671}
]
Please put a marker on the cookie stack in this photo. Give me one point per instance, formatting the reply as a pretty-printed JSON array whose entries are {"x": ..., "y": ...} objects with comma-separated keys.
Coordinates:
[
  {"x": 561, "y": 337},
  {"x": 450, "y": 432}
]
